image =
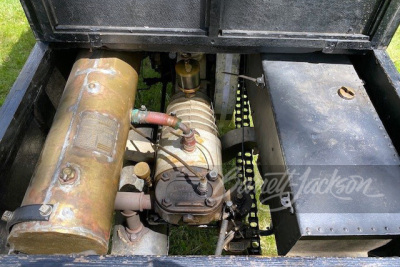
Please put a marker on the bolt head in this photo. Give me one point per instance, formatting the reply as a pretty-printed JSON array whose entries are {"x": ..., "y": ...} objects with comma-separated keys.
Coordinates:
[
  {"x": 229, "y": 204},
  {"x": 67, "y": 171},
  {"x": 166, "y": 202},
  {"x": 210, "y": 202},
  {"x": 143, "y": 108},
  {"x": 165, "y": 177},
  {"x": 67, "y": 174},
  {"x": 7, "y": 216},
  {"x": 213, "y": 175},
  {"x": 45, "y": 210}
]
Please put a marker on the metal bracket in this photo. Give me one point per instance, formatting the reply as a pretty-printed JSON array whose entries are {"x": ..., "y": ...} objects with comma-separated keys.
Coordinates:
[
  {"x": 29, "y": 213},
  {"x": 260, "y": 81},
  {"x": 286, "y": 202}
]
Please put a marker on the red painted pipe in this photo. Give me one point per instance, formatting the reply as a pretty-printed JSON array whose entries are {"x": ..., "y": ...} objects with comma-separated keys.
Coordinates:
[{"x": 157, "y": 118}]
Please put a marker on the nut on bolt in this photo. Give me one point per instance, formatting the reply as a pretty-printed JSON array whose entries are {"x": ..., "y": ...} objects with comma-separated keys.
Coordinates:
[
  {"x": 7, "y": 216},
  {"x": 67, "y": 174},
  {"x": 45, "y": 210},
  {"x": 165, "y": 177},
  {"x": 213, "y": 175},
  {"x": 166, "y": 202},
  {"x": 210, "y": 202}
]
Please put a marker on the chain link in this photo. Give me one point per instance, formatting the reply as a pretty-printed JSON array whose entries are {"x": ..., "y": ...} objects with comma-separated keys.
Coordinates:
[{"x": 244, "y": 162}]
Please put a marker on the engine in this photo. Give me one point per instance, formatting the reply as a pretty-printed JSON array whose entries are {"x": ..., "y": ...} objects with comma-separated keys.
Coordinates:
[{"x": 181, "y": 195}]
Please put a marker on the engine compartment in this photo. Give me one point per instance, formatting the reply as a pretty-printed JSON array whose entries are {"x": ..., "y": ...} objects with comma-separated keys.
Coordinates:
[{"x": 160, "y": 161}]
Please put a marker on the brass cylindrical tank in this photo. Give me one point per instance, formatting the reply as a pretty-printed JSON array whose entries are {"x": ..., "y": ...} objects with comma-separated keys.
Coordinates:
[{"x": 79, "y": 167}]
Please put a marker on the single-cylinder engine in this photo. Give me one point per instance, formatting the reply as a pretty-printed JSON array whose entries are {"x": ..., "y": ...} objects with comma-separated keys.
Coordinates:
[
  {"x": 77, "y": 176},
  {"x": 177, "y": 196}
]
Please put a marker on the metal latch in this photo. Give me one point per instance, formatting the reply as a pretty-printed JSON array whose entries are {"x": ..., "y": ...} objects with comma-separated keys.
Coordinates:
[{"x": 260, "y": 82}]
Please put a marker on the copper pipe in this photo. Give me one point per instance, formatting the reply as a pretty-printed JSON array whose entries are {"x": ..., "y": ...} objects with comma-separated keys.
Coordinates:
[
  {"x": 157, "y": 118},
  {"x": 132, "y": 201}
]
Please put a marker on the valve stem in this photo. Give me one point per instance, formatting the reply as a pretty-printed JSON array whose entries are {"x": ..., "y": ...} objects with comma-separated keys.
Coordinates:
[{"x": 202, "y": 187}]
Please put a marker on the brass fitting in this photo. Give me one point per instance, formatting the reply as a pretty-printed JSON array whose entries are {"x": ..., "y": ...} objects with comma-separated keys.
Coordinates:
[
  {"x": 188, "y": 76},
  {"x": 142, "y": 171}
]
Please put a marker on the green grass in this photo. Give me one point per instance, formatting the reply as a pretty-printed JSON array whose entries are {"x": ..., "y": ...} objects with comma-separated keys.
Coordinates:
[
  {"x": 16, "y": 41},
  {"x": 394, "y": 49}
]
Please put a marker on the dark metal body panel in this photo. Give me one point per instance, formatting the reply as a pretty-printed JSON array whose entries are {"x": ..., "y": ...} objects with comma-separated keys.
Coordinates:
[
  {"x": 191, "y": 261},
  {"x": 382, "y": 82},
  {"x": 215, "y": 26},
  {"x": 345, "y": 17},
  {"x": 315, "y": 135}
]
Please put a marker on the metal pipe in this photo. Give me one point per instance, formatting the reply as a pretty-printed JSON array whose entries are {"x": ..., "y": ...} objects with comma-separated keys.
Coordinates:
[
  {"x": 133, "y": 222},
  {"x": 132, "y": 201},
  {"x": 149, "y": 117},
  {"x": 221, "y": 238}
]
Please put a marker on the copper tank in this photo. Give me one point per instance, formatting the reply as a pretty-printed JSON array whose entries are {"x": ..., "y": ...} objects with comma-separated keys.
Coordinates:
[{"x": 79, "y": 167}]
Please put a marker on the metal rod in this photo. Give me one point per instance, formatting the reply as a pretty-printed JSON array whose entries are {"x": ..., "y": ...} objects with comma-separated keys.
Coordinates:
[{"x": 221, "y": 238}]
